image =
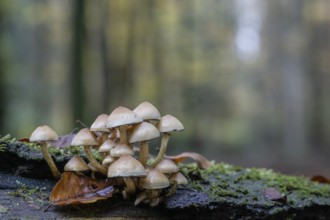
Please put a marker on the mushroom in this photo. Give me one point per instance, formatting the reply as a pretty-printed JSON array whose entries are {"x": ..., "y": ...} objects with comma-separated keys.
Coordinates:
[
  {"x": 86, "y": 138},
  {"x": 105, "y": 148},
  {"x": 121, "y": 117},
  {"x": 107, "y": 160},
  {"x": 127, "y": 167},
  {"x": 99, "y": 126},
  {"x": 121, "y": 150},
  {"x": 167, "y": 166},
  {"x": 152, "y": 184},
  {"x": 179, "y": 178},
  {"x": 175, "y": 180},
  {"x": 147, "y": 112},
  {"x": 42, "y": 134},
  {"x": 166, "y": 125},
  {"x": 143, "y": 132},
  {"x": 76, "y": 164}
]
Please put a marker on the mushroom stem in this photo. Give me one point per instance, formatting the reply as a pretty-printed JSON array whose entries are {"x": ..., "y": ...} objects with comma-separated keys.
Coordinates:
[
  {"x": 140, "y": 197},
  {"x": 144, "y": 153},
  {"x": 93, "y": 161},
  {"x": 162, "y": 150},
  {"x": 49, "y": 160},
  {"x": 123, "y": 134},
  {"x": 130, "y": 186}
]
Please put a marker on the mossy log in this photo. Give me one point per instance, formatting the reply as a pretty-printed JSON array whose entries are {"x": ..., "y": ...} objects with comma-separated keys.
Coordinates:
[{"x": 221, "y": 191}]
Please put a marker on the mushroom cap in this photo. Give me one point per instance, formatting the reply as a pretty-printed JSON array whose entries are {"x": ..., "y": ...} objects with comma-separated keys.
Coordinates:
[
  {"x": 122, "y": 116},
  {"x": 169, "y": 123},
  {"x": 143, "y": 132},
  {"x": 154, "y": 180},
  {"x": 99, "y": 123},
  {"x": 126, "y": 166},
  {"x": 147, "y": 111},
  {"x": 121, "y": 150},
  {"x": 84, "y": 137},
  {"x": 108, "y": 159},
  {"x": 43, "y": 133},
  {"x": 167, "y": 166},
  {"x": 107, "y": 146},
  {"x": 76, "y": 164},
  {"x": 179, "y": 178}
]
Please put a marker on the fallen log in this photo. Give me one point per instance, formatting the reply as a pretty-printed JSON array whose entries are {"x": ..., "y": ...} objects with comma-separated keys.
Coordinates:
[{"x": 221, "y": 191}]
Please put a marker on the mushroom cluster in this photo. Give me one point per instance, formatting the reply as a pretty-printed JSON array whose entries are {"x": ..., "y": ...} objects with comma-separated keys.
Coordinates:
[{"x": 115, "y": 138}]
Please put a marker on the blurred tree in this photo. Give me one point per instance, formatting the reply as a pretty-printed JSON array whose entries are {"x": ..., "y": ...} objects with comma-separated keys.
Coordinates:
[{"x": 77, "y": 71}]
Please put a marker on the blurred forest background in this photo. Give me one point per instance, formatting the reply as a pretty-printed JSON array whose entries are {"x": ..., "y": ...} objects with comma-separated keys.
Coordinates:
[{"x": 249, "y": 79}]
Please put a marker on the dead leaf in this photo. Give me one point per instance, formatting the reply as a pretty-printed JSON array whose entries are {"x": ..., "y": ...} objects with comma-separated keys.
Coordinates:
[
  {"x": 202, "y": 162},
  {"x": 274, "y": 195},
  {"x": 76, "y": 189},
  {"x": 320, "y": 179},
  {"x": 63, "y": 141}
]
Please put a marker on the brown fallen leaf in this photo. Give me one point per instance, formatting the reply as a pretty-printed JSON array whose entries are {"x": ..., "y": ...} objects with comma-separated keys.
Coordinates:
[
  {"x": 202, "y": 162},
  {"x": 77, "y": 189},
  {"x": 274, "y": 195}
]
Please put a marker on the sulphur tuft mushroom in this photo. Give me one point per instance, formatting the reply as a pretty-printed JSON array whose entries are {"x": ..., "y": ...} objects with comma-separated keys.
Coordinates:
[
  {"x": 166, "y": 125},
  {"x": 152, "y": 184},
  {"x": 86, "y": 139},
  {"x": 120, "y": 118},
  {"x": 167, "y": 166},
  {"x": 127, "y": 167},
  {"x": 147, "y": 111},
  {"x": 40, "y": 135},
  {"x": 143, "y": 132},
  {"x": 76, "y": 164},
  {"x": 99, "y": 126}
]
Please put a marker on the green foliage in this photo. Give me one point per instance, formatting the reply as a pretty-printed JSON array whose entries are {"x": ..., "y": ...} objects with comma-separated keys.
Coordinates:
[
  {"x": 223, "y": 182},
  {"x": 37, "y": 196},
  {"x": 4, "y": 140}
]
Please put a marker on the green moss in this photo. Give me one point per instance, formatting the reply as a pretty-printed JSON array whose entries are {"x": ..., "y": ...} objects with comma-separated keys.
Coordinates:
[
  {"x": 4, "y": 140},
  {"x": 36, "y": 196},
  {"x": 223, "y": 182}
]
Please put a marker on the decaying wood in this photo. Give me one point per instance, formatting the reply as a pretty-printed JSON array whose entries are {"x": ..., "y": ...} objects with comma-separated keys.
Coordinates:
[{"x": 222, "y": 192}]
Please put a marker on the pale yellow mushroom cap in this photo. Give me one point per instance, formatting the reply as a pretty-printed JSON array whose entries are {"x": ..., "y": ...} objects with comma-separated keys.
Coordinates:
[
  {"x": 143, "y": 132},
  {"x": 169, "y": 123},
  {"x": 154, "y": 180},
  {"x": 121, "y": 150},
  {"x": 107, "y": 146},
  {"x": 179, "y": 178},
  {"x": 43, "y": 133},
  {"x": 167, "y": 166},
  {"x": 99, "y": 123},
  {"x": 126, "y": 166},
  {"x": 147, "y": 111},
  {"x": 108, "y": 159},
  {"x": 76, "y": 164},
  {"x": 122, "y": 116},
  {"x": 83, "y": 138}
]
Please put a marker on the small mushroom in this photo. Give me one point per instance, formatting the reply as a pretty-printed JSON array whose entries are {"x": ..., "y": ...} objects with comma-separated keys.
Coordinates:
[
  {"x": 99, "y": 126},
  {"x": 127, "y": 167},
  {"x": 86, "y": 139},
  {"x": 120, "y": 118},
  {"x": 105, "y": 148},
  {"x": 166, "y": 125},
  {"x": 143, "y": 132},
  {"x": 152, "y": 184},
  {"x": 121, "y": 150},
  {"x": 42, "y": 134},
  {"x": 167, "y": 166},
  {"x": 76, "y": 164},
  {"x": 147, "y": 112}
]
